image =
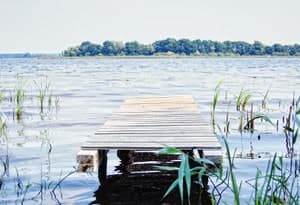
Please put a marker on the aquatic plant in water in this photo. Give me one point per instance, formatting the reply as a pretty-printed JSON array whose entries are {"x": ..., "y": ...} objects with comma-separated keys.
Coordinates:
[
  {"x": 265, "y": 99},
  {"x": 1, "y": 97},
  {"x": 43, "y": 90},
  {"x": 215, "y": 101},
  {"x": 19, "y": 97},
  {"x": 56, "y": 102},
  {"x": 185, "y": 172}
]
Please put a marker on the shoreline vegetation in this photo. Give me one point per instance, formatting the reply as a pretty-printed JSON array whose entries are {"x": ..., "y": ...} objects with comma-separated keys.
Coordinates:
[{"x": 171, "y": 47}]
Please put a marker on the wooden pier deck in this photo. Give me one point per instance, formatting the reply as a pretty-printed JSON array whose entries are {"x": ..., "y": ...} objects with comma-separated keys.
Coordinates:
[{"x": 151, "y": 123}]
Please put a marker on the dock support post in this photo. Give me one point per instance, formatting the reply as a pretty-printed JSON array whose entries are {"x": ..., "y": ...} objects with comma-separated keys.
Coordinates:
[{"x": 102, "y": 169}]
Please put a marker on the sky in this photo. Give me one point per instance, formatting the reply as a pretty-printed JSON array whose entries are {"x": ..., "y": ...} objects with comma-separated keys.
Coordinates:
[{"x": 50, "y": 26}]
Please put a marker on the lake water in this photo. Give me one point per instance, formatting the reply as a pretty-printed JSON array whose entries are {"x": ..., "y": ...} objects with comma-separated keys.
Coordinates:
[{"x": 42, "y": 148}]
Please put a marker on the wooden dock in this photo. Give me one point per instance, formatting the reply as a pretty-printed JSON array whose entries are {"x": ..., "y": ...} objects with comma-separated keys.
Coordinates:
[{"x": 149, "y": 124}]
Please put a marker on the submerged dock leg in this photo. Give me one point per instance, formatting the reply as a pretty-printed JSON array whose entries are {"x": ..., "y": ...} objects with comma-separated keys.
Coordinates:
[{"x": 102, "y": 169}]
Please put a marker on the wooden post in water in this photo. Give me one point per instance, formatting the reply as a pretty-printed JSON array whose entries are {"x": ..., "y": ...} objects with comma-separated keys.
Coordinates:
[{"x": 102, "y": 169}]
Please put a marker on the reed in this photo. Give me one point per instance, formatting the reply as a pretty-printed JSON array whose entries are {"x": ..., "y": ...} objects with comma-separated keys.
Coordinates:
[
  {"x": 250, "y": 123},
  {"x": 227, "y": 124},
  {"x": 234, "y": 185},
  {"x": 265, "y": 99},
  {"x": 4, "y": 137},
  {"x": 292, "y": 126},
  {"x": 239, "y": 100},
  {"x": 57, "y": 103},
  {"x": 215, "y": 101},
  {"x": 43, "y": 88},
  {"x": 245, "y": 99},
  {"x": 241, "y": 120},
  {"x": 49, "y": 101},
  {"x": 19, "y": 97},
  {"x": 19, "y": 113},
  {"x": 1, "y": 97},
  {"x": 3, "y": 128}
]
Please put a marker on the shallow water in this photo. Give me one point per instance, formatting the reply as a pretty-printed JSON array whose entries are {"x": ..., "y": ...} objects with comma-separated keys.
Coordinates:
[{"x": 90, "y": 89}]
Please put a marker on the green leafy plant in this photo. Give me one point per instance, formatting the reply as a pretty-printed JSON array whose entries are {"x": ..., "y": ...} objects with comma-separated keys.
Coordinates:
[{"x": 185, "y": 172}]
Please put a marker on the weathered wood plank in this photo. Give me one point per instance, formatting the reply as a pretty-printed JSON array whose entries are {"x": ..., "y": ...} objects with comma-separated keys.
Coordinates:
[
  {"x": 201, "y": 136},
  {"x": 128, "y": 138},
  {"x": 150, "y": 146},
  {"x": 153, "y": 132},
  {"x": 155, "y": 122},
  {"x": 185, "y": 98}
]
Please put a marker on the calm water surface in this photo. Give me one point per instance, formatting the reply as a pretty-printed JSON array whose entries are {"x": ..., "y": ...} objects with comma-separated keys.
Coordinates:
[{"x": 42, "y": 151}]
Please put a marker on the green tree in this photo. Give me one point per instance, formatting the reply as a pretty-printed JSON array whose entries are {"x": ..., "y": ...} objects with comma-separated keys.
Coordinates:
[
  {"x": 167, "y": 45},
  {"x": 111, "y": 48},
  {"x": 257, "y": 48},
  {"x": 89, "y": 49},
  {"x": 185, "y": 46},
  {"x": 132, "y": 48}
]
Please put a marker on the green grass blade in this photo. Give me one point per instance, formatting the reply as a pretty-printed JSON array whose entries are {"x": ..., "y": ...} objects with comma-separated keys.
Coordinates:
[
  {"x": 297, "y": 119},
  {"x": 218, "y": 85},
  {"x": 258, "y": 116},
  {"x": 234, "y": 185},
  {"x": 187, "y": 173},
  {"x": 171, "y": 188},
  {"x": 269, "y": 178},
  {"x": 181, "y": 173},
  {"x": 295, "y": 136}
]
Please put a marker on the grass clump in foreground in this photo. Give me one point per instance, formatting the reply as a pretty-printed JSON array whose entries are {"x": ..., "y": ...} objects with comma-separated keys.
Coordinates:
[{"x": 277, "y": 184}]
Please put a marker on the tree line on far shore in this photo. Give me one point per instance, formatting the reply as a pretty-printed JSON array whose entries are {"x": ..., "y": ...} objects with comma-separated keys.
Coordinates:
[{"x": 171, "y": 46}]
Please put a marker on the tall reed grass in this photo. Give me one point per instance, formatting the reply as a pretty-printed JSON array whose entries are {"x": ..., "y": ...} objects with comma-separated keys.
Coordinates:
[
  {"x": 43, "y": 88},
  {"x": 215, "y": 101}
]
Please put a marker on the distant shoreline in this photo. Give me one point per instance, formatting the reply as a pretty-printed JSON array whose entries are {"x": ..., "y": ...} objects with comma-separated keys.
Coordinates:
[
  {"x": 185, "y": 47},
  {"x": 163, "y": 57},
  {"x": 58, "y": 56}
]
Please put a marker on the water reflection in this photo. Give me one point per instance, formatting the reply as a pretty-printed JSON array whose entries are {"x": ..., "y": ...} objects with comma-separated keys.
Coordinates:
[{"x": 146, "y": 189}]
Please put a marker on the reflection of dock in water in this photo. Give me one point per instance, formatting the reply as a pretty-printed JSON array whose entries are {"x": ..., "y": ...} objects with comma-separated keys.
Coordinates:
[{"x": 144, "y": 189}]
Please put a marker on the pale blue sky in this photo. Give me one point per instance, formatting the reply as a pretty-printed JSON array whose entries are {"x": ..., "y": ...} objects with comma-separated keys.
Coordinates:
[{"x": 54, "y": 25}]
